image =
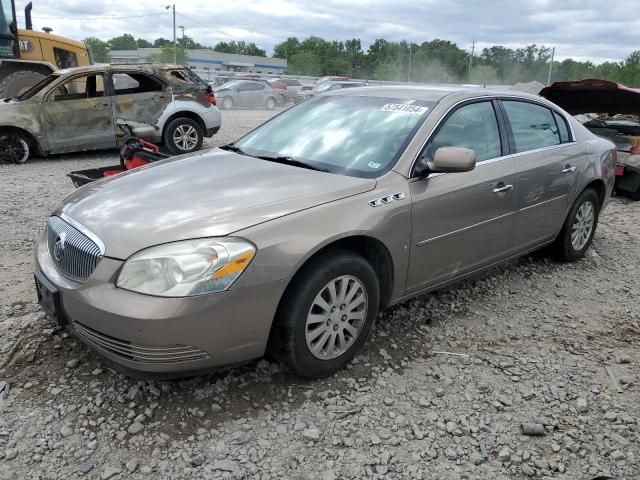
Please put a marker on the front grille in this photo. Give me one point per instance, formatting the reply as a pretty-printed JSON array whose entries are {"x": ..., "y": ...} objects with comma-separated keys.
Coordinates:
[
  {"x": 139, "y": 353},
  {"x": 74, "y": 254}
]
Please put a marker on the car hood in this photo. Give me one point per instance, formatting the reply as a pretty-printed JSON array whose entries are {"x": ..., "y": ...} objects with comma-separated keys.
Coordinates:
[
  {"x": 593, "y": 96},
  {"x": 215, "y": 193}
]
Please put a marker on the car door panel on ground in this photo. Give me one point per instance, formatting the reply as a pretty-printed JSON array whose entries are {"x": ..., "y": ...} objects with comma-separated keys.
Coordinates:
[
  {"x": 77, "y": 115},
  {"x": 548, "y": 162},
  {"x": 138, "y": 100},
  {"x": 463, "y": 221}
]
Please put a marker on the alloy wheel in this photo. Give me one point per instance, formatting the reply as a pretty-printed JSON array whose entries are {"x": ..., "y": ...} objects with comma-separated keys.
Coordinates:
[
  {"x": 582, "y": 226},
  {"x": 336, "y": 317},
  {"x": 13, "y": 149},
  {"x": 185, "y": 137}
]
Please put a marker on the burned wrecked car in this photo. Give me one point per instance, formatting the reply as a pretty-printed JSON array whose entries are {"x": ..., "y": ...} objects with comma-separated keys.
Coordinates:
[
  {"x": 80, "y": 109},
  {"x": 610, "y": 110}
]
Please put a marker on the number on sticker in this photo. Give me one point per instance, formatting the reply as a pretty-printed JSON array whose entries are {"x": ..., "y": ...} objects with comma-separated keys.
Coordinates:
[{"x": 403, "y": 108}]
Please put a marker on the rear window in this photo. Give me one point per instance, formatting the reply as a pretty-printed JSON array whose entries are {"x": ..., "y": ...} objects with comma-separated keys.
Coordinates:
[
  {"x": 129, "y": 83},
  {"x": 533, "y": 125},
  {"x": 563, "y": 128},
  {"x": 183, "y": 77}
]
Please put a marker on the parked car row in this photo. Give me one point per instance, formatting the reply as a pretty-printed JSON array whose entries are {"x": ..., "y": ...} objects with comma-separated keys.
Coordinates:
[
  {"x": 80, "y": 108},
  {"x": 284, "y": 89},
  {"x": 326, "y": 86},
  {"x": 291, "y": 239}
]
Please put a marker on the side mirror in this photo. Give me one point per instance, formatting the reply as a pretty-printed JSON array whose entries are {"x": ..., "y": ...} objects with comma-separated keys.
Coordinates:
[
  {"x": 452, "y": 159},
  {"x": 13, "y": 28}
]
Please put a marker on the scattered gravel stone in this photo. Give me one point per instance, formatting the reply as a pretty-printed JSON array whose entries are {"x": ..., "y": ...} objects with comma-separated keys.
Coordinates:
[
  {"x": 66, "y": 431},
  {"x": 73, "y": 363},
  {"x": 476, "y": 458},
  {"x": 311, "y": 434},
  {"x": 109, "y": 472},
  {"x": 135, "y": 427}
]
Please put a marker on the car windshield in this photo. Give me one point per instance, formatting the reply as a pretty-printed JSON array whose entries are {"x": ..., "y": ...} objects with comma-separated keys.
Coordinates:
[
  {"x": 38, "y": 86},
  {"x": 351, "y": 135}
]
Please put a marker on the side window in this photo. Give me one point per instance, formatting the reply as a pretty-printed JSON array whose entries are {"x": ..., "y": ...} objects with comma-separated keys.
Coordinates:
[
  {"x": 337, "y": 86},
  {"x": 257, "y": 86},
  {"x": 533, "y": 125},
  {"x": 65, "y": 58},
  {"x": 246, "y": 87},
  {"x": 473, "y": 126},
  {"x": 86, "y": 86},
  {"x": 563, "y": 128},
  {"x": 128, "y": 83}
]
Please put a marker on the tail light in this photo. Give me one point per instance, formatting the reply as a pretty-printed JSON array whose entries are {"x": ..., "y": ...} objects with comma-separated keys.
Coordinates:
[
  {"x": 618, "y": 169},
  {"x": 211, "y": 98}
]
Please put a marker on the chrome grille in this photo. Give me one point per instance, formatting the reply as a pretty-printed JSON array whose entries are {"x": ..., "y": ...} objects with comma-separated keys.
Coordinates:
[
  {"x": 74, "y": 254},
  {"x": 139, "y": 353}
]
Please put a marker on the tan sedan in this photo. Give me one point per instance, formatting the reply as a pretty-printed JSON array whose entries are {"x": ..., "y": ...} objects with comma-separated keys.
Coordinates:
[{"x": 293, "y": 238}]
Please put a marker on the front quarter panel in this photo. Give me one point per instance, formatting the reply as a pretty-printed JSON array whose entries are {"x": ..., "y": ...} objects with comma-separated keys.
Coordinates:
[{"x": 285, "y": 244}]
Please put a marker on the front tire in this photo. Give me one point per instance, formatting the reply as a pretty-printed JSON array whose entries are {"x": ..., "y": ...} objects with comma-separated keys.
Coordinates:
[
  {"x": 14, "y": 148},
  {"x": 183, "y": 135},
  {"x": 19, "y": 82},
  {"x": 326, "y": 315},
  {"x": 579, "y": 227}
]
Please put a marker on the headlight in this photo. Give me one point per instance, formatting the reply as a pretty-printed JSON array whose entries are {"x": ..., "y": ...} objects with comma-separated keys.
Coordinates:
[{"x": 187, "y": 268}]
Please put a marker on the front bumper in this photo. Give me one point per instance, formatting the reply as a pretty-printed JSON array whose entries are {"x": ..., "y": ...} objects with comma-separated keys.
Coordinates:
[{"x": 166, "y": 336}]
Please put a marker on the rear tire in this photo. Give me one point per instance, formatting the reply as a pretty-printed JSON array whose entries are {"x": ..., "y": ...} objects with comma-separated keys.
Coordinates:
[
  {"x": 270, "y": 103},
  {"x": 579, "y": 228},
  {"x": 183, "y": 135},
  {"x": 319, "y": 328},
  {"x": 14, "y": 148},
  {"x": 227, "y": 103},
  {"x": 17, "y": 83}
]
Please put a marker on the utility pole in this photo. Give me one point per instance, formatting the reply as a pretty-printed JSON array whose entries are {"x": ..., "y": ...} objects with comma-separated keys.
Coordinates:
[
  {"x": 175, "y": 45},
  {"x": 410, "y": 63},
  {"x": 473, "y": 50},
  {"x": 553, "y": 53}
]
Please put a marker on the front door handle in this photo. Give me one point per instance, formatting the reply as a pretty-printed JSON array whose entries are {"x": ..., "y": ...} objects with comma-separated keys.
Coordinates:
[
  {"x": 502, "y": 188},
  {"x": 101, "y": 105},
  {"x": 569, "y": 169}
]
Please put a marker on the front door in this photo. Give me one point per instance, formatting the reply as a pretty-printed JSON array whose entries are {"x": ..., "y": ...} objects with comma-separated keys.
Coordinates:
[
  {"x": 548, "y": 162},
  {"x": 76, "y": 115},
  {"x": 463, "y": 221}
]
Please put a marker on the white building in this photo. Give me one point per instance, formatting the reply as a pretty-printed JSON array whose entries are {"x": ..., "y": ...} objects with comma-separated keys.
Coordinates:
[{"x": 209, "y": 62}]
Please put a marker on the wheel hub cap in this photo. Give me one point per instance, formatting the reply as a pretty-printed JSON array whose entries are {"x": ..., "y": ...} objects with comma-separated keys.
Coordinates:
[
  {"x": 336, "y": 317},
  {"x": 582, "y": 225},
  {"x": 185, "y": 137}
]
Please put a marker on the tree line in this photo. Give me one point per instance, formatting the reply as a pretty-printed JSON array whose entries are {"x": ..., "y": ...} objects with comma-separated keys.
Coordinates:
[
  {"x": 434, "y": 61},
  {"x": 442, "y": 61}
]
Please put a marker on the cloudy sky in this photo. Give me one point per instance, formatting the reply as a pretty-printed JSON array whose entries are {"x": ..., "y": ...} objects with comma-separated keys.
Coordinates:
[{"x": 581, "y": 29}]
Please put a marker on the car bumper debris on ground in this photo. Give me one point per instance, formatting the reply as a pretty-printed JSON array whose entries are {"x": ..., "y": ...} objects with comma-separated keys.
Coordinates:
[{"x": 527, "y": 372}]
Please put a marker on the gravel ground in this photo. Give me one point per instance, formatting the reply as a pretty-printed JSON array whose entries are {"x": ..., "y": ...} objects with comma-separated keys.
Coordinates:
[{"x": 529, "y": 371}]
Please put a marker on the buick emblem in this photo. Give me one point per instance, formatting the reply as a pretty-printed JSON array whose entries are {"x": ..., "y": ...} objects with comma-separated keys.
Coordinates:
[{"x": 58, "y": 247}]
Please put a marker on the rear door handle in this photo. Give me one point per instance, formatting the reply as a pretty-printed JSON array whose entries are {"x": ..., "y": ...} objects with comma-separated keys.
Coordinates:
[
  {"x": 502, "y": 188},
  {"x": 101, "y": 105},
  {"x": 569, "y": 169}
]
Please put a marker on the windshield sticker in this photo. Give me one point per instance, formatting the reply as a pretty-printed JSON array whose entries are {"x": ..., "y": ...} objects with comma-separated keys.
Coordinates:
[
  {"x": 403, "y": 108},
  {"x": 374, "y": 165}
]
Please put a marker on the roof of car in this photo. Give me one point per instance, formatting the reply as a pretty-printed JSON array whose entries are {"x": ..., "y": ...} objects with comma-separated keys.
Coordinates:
[
  {"x": 134, "y": 67},
  {"x": 430, "y": 93}
]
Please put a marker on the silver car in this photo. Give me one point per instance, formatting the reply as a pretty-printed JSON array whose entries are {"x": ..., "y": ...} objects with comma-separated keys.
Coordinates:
[
  {"x": 247, "y": 93},
  {"x": 80, "y": 108},
  {"x": 293, "y": 238}
]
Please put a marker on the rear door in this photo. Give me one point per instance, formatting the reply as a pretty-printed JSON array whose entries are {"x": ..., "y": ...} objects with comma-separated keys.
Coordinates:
[
  {"x": 548, "y": 162},
  {"x": 463, "y": 221},
  {"x": 76, "y": 115},
  {"x": 139, "y": 99}
]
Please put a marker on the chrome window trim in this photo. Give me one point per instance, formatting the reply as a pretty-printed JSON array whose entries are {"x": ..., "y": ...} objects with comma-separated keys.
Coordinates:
[
  {"x": 489, "y": 98},
  {"x": 88, "y": 233}
]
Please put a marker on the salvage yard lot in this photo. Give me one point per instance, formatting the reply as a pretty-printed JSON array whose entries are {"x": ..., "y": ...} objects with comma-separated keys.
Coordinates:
[{"x": 440, "y": 391}]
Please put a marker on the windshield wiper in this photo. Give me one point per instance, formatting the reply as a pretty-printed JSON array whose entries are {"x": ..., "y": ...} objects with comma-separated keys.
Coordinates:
[
  {"x": 232, "y": 148},
  {"x": 291, "y": 161}
]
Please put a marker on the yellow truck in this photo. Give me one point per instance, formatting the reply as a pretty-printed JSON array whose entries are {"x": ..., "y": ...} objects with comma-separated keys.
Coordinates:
[{"x": 27, "y": 56}]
